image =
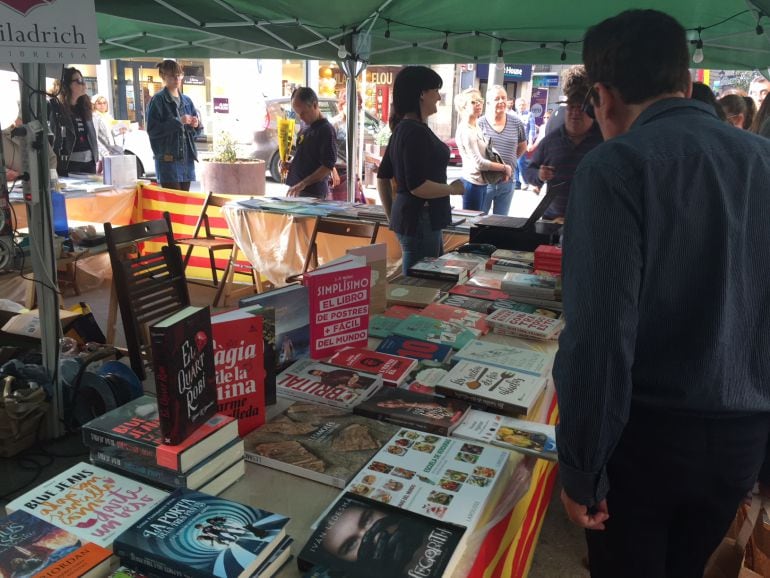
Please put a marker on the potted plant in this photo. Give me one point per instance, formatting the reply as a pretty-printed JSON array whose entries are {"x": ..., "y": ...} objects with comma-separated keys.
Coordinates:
[
  {"x": 382, "y": 138},
  {"x": 226, "y": 174}
]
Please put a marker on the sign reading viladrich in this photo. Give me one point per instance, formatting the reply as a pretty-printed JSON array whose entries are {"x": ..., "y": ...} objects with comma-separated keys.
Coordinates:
[{"x": 43, "y": 31}]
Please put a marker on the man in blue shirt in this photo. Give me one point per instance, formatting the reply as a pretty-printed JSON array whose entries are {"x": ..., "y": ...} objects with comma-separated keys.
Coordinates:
[{"x": 663, "y": 369}]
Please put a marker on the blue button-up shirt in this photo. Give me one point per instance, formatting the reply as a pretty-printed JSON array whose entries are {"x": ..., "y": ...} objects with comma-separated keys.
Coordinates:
[{"x": 666, "y": 283}]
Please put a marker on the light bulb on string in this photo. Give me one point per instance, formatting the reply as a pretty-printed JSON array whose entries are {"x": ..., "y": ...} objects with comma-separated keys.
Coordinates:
[
  {"x": 387, "y": 29},
  {"x": 697, "y": 56},
  {"x": 500, "y": 62},
  {"x": 342, "y": 52},
  {"x": 446, "y": 41},
  {"x": 563, "y": 55}
]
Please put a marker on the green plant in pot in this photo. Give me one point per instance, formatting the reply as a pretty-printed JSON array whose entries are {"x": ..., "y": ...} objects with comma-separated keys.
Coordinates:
[
  {"x": 226, "y": 174},
  {"x": 382, "y": 138}
]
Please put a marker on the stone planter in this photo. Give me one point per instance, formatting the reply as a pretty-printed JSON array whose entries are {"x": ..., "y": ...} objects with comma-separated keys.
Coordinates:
[{"x": 238, "y": 178}]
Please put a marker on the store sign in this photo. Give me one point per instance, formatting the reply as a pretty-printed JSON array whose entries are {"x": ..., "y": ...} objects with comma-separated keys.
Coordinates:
[
  {"x": 546, "y": 81},
  {"x": 518, "y": 71},
  {"x": 221, "y": 105},
  {"x": 41, "y": 31}
]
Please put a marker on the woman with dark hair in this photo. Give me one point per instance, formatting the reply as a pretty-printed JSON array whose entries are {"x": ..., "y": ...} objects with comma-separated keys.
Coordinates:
[
  {"x": 70, "y": 120},
  {"x": 761, "y": 124},
  {"x": 739, "y": 110},
  {"x": 417, "y": 160},
  {"x": 702, "y": 92},
  {"x": 172, "y": 123}
]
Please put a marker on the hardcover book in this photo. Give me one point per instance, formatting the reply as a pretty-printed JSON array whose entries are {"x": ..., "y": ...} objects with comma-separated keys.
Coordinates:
[
  {"x": 396, "y": 543},
  {"x": 320, "y": 382},
  {"x": 435, "y": 476},
  {"x": 239, "y": 362},
  {"x": 339, "y": 295},
  {"x": 92, "y": 503},
  {"x": 508, "y": 265},
  {"x": 425, "y": 377},
  {"x": 393, "y": 368},
  {"x": 524, "y": 307},
  {"x": 479, "y": 292},
  {"x": 432, "y": 268},
  {"x": 435, "y": 331},
  {"x": 411, "y": 296},
  {"x": 415, "y": 348},
  {"x": 377, "y": 258},
  {"x": 542, "y": 286},
  {"x": 504, "y": 391},
  {"x": 487, "y": 279},
  {"x": 183, "y": 362},
  {"x": 292, "y": 322},
  {"x": 198, "y": 535},
  {"x": 31, "y": 547},
  {"x": 537, "y": 439},
  {"x": 518, "y": 359},
  {"x": 442, "y": 286},
  {"x": 520, "y": 324},
  {"x": 134, "y": 428},
  {"x": 146, "y": 469},
  {"x": 318, "y": 442},
  {"x": 523, "y": 256},
  {"x": 418, "y": 411},
  {"x": 470, "y": 303},
  {"x": 470, "y": 319},
  {"x": 401, "y": 311}
]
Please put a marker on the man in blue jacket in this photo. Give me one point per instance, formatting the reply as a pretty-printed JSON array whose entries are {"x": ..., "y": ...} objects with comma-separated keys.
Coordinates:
[{"x": 663, "y": 370}]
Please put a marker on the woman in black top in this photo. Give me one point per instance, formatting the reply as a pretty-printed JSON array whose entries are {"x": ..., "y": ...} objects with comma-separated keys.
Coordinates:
[
  {"x": 417, "y": 160},
  {"x": 74, "y": 136}
]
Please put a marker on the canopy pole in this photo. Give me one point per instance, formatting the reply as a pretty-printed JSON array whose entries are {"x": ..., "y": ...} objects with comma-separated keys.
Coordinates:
[{"x": 352, "y": 68}]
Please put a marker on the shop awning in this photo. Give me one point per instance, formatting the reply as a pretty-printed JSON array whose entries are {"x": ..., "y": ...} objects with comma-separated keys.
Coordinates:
[{"x": 735, "y": 33}]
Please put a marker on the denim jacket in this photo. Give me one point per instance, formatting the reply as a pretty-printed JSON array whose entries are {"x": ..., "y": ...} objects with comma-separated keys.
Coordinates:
[{"x": 168, "y": 136}]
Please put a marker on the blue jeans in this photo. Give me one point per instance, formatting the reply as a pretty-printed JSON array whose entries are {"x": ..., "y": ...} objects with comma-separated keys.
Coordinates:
[
  {"x": 501, "y": 194},
  {"x": 425, "y": 243},
  {"x": 518, "y": 176},
  {"x": 473, "y": 197}
]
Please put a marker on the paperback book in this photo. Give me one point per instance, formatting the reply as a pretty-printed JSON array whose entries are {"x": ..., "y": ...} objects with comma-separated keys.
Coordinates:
[
  {"x": 377, "y": 259},
  {"x": 134, "y": 429},
  {"x": 442, "y": 286},
  {"x": 317, "y": 442},
  {"x": 528, "y": 325},
  {"x": 506, "y": 357},
  {"x": 472, "y": 320},
  {"x": 425, "y": 377},
  {"x": 435, "y": 476},
  {"x": 418, "y": 349},
  {"x": 146, "y": 469},
  {"x": 411, "y": 296},
  {"x": 393, "y": 368},
  {"x": 239, "y": 362},
  {"x": 401, "y": 311},
  {"x": 487, "y": 280},
  {"x": 504, "y": 391},
  {"x": 418, "y": 411},
  {"x": 193, "y": 534},
  {"x": 524, "y": 308},
  {"x": 537, "y": 439},
  {"x": 292, "y": 322},
  {"x": 381, "y": 326},
  {"x": 404, "y": 544},
  {"x": 540, "y": 286},
  {"x": 432, "y": 268},
  {"x": 448, "y": 333},
  {"x": 90, "y": 502},
  {"x": 523, "y": 256},
  {"x": 31, "y": 547},
  {"x": 320, "y": 382},
  {"x": 183, "y": 362},
  {"x": 470, "y": 303},
  {"x": 339, "y": 295},
  {"x": 479, "y": 292}
]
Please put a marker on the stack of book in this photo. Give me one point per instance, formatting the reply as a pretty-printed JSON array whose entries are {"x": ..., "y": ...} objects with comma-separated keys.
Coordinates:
[
  {"x": 525, "y": 287},
  {"x": 548, "y": 258},
  {"x": 508, "y": 260},
  {"x": 196, "y": 535},
  {"x": 411, "y": 296},
  {"x": 127, "y": 440},
  {"x": 470, "y": 261},
  {"x": 527, "y": 325},
  {"x": 431, "y": 268},
  {"x": 455, "y": 335},
  {"x": 441, "y": 285}
]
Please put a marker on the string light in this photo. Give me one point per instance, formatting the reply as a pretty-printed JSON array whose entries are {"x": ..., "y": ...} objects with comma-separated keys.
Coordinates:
[
  {"x": 446, "y": 41},
  {"x": 342, "y": 52},
  {"x": 759, "y": 30},
  {"x": 697, "y": 56},
  {"x": 500, "y": 63},
  {"x": 563, "y": 55},
  {"x": 387, "y": 30}
]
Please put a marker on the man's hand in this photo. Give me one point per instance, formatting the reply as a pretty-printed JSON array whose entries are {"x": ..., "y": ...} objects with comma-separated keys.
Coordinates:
[
  {"x": 295, "y": 190},
  {"x": 579, "y": 515},
  {"x": 457, "y": 187},
  {"x": 545, "y": 173}
]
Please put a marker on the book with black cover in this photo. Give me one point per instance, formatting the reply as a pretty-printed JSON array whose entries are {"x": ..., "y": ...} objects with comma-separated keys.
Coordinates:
[
  {"x": 396, "y": 543},
  {"x": 183, "y": 362},
  {"x": 196, "y": 535}
]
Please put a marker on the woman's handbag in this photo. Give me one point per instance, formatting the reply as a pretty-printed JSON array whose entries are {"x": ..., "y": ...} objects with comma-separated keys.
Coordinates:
[
  {"x": 492, "y": 177},
  {"x": 745, "y": 551}
]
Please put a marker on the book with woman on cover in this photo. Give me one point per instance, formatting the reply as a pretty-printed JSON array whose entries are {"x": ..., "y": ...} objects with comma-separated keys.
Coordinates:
[{"x": 183, "y": 362}]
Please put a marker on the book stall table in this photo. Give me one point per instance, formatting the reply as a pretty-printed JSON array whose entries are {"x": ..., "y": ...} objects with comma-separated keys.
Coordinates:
[
  {"x": 503, "y": 548},
  {"x": 276, "y": 242}
]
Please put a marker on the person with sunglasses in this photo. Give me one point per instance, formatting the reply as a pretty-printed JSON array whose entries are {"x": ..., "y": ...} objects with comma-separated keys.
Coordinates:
[
  {"x": 103, "y": 122},
  {"x": 557, "y": 156},
  {"x": 173, "y": 123},
  {"x": 71, "y": 123},
  {"x": 662, "y": 372}
]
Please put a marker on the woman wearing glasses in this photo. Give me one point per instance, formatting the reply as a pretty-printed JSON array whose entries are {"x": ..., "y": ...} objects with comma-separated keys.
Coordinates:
[
  {"x": 506, "y": 133},
  {"x": 103, "y": 123},
  {"x": 172, "y": 123},
  {"x": 472, "y": 145},
  {"x": 70, "y": 120}
]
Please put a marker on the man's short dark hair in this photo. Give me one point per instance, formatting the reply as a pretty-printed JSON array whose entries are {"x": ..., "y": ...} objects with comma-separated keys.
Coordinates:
[
  {"x": 575, "y": 83},
  {"x": 641, "y": 53},
  {"x": 306, "y": 95}
]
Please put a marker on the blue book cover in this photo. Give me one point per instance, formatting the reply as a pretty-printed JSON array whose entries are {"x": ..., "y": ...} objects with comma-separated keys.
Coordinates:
[
  {"x": 418, "y": 349},
  {"x": 197, "y": 535}
]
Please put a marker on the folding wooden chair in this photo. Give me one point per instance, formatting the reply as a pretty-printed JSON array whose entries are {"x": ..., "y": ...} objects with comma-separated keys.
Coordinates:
[
  {"x": 338, "y": 227},
  {"x": 149, "y": 286}
]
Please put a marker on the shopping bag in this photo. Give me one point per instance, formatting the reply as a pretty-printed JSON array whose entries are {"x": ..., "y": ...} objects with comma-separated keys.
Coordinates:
[{"x": 735, "y": 557}]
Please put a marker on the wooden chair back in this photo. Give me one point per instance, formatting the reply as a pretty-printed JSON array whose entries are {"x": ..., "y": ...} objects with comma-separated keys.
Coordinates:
[
  {"x": 339, "y": 227},
  {"x": 149, "y": 286}
]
